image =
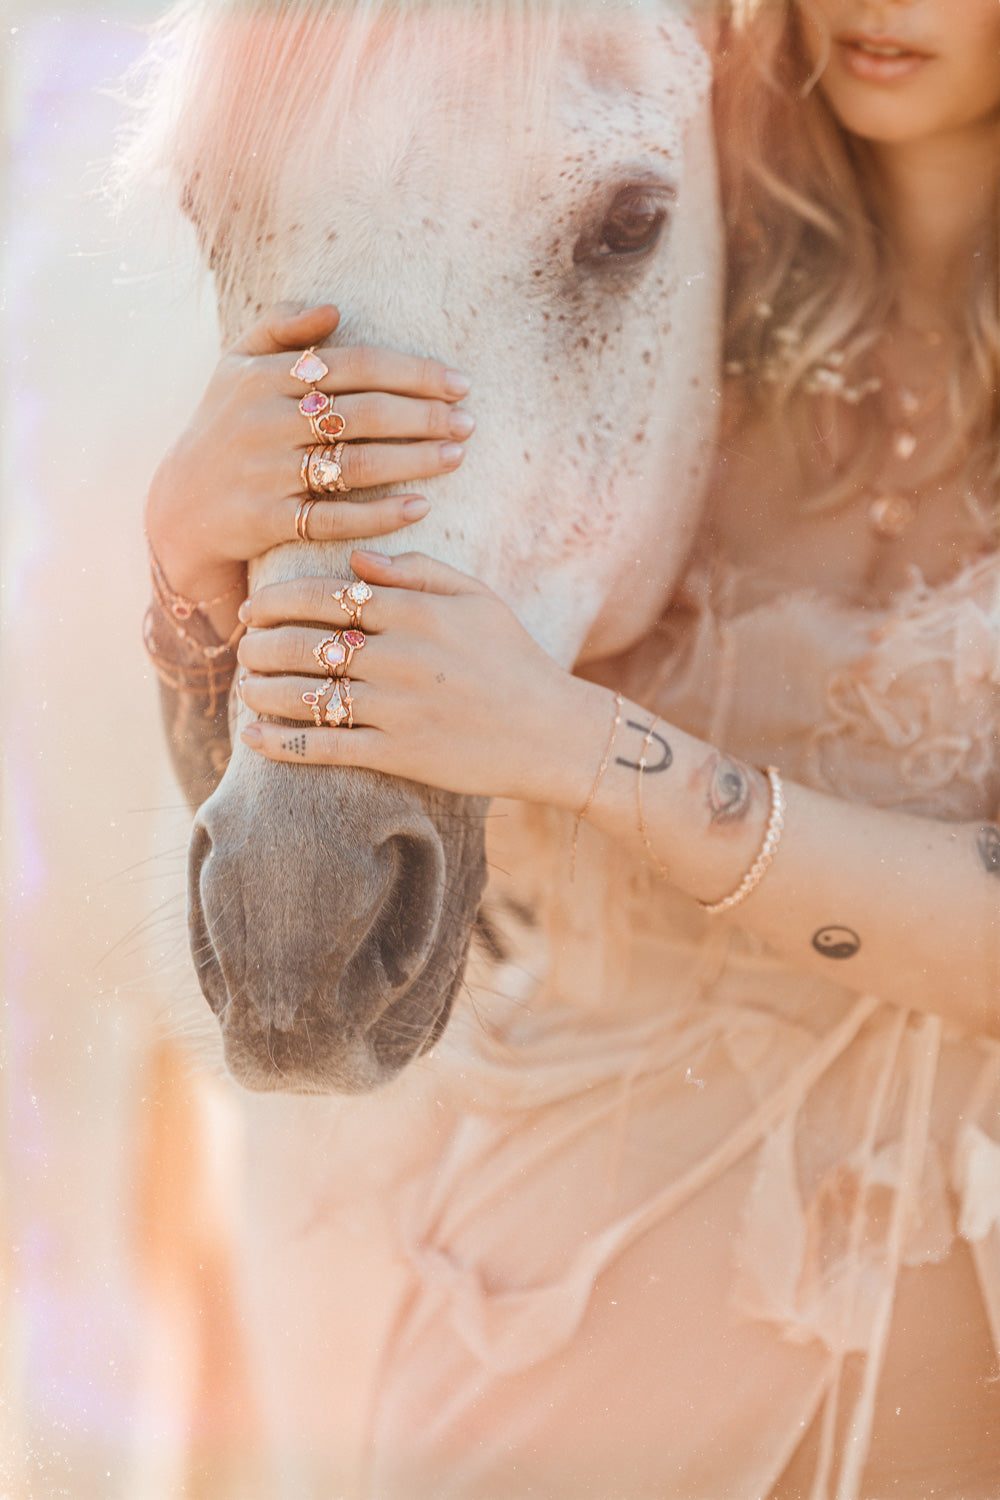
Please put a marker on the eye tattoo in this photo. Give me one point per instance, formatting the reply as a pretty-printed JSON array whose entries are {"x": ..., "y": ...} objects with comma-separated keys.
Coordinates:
[
  {"x": 729, "y": 791},
  {"x": 297, "y": 746},
  {"x": 666, "y": 754},
  {"x": 988, "y": 844},
  {"x": 836, "y": 942}
]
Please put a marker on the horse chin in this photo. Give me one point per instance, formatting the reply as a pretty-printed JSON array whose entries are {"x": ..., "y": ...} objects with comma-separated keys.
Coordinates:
[
  {"x": 330, "y": 936},
  {"x": 267, "y": 1061}
]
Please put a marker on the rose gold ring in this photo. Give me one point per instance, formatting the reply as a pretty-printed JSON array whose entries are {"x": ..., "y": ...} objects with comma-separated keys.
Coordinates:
[
  {"x": 302, "y": 518},
  {"x": 324, "y": 475},
  {"x": 340, "y": 708},
  {"x": 337, "y": 457},
  {"x": 309, "y": 368},
  {"x": 331, "y": 425},
  {"x": 352, "y": 599},
  {"x": 314, "y": 700},
  {"x": 336, "y": 651}
]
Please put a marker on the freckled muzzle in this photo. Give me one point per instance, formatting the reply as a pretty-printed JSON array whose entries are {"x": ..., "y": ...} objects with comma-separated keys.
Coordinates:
[{"x": 330, "y": 931}]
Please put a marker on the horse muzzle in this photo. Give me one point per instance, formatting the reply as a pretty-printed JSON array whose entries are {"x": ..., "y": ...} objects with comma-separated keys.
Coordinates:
[{"x": 330, "y": 921}]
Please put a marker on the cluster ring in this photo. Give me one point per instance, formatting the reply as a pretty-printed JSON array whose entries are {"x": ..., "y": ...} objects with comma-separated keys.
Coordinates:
[
  {"x": 352, "y": 599},
  {"x": 335, "y": 652},
  {"x": 321, "y": 471}
]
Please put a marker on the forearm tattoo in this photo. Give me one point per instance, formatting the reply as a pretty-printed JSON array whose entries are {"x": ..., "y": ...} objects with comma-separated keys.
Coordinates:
[
  {"x": 729, "y": 790},
  {"x": 199, "y": 746},
  {"x": 836, "y": 942},
  {"x": 988, "y": 844},
  {"x": 651, "y": 767}
]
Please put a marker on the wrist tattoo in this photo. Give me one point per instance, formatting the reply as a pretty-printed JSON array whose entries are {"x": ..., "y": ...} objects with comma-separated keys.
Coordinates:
[
  {"x": 666, "y": 759},
  {"x": 836, "y": 942},
  {"x": 988, "y": 844},
  {"x": 730, "y": 791}
]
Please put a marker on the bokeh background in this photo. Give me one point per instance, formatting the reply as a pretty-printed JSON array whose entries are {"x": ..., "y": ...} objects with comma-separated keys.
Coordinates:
[{"x": 106, "y": 340}]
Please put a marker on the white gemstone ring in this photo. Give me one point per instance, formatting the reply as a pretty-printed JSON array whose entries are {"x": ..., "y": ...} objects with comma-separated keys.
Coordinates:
[{"x": 352, "y": 599}]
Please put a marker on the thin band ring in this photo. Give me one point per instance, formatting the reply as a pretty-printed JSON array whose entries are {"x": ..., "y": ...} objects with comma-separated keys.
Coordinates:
[{"x": 302, "y": 518}]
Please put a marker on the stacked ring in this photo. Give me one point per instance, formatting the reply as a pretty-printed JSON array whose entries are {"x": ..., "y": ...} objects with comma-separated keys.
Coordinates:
[
  {"x": 314, "y": 700},
  {"x": 340, "y": 707},
  {"x": 336, "y": 651},
  {"x": 352, "y": 599},
  {"x": 302, "y": 518},
  {"x": 321, "y": 471},
  {"x": 325, "y": 422}
]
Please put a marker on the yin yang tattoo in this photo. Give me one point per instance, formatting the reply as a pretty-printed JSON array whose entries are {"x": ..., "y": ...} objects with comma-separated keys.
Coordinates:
[{"x": 836, "y": 942}]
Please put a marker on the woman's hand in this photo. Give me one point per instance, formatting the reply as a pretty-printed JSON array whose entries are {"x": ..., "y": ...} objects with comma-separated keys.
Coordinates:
[
  {"x": 230, "y": 487},
  {"x": 448, "y": 688}
]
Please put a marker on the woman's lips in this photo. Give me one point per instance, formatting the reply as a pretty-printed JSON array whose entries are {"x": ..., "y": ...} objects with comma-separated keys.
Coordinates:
[{"x": 877, "y": 59}]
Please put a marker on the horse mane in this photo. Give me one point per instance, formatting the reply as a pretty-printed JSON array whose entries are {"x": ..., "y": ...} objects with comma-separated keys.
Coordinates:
[{"x": 232, "y": 94}]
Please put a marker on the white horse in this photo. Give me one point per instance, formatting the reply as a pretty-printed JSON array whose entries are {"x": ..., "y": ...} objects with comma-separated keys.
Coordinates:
[{"x": 525, "y": 188}]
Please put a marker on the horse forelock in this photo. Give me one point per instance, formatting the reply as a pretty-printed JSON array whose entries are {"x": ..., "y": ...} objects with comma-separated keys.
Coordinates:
[{"x": 236, "y": 95}]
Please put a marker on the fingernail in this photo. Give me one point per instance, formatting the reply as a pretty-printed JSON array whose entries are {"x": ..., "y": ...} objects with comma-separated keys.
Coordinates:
[
  {"x": 451, "y": 455},
  {"x": 252, "y": 736},
  {"x": 460, "y": 424},
  {"x": 455, "y": 383},
  {"x": 245, "y": 610},
  {"x": 416, "y": 507},
  {"x": 378, "y": 558}
]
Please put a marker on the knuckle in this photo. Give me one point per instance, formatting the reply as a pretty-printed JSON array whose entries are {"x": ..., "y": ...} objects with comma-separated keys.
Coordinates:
[
  {"x": 362, "y": 464},
  {"x": 317, "y": 595},
  {"x": 366, "y": 411},
  {"x": 358, "y": 363},
  {"x": 437, "y": 420}
]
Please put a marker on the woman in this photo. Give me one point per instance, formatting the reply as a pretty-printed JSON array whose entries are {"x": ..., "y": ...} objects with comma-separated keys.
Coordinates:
[{"x": 841, "y": 626}]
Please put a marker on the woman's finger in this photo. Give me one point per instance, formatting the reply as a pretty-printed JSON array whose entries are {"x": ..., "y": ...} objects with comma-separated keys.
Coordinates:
[
  {"x": 295, "y": 697},
  {"x": 416, "y": 571},
  {"x": 322, "y": 519},
  {"x": 290, "y": 650},
  {"x": 376, "y": 415},
  {"x": 318, "y": 747},
  {"x": 288, "y": 326},
  {"x": 365, "y": 465},
  {"x": 359, "y": 368}
]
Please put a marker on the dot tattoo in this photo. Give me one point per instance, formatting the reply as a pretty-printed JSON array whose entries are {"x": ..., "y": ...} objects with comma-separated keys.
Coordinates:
[
  {"x": 988, "y": 844},
  {"x": 649, "y": 768},
  {"x": 296, "y": 746},
  {"x": 836, "y": 942}
]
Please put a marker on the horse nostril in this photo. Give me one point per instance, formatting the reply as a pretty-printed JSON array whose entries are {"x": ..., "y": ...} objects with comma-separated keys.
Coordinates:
[
  {"x": 404, "y": 927},
  {"x": 203, "y": 953}
]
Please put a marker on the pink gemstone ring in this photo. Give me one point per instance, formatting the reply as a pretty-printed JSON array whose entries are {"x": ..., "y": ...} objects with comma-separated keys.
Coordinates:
[
  {"x": 314, "y": 701},
  {"x": 309, "y": 368},
  {"x": 314, "y": 403},
  {"x": 335, "y": 652}
]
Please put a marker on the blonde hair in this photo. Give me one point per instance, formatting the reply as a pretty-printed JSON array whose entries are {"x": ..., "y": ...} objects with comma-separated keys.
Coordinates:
[{"x": 811, "y": 271}]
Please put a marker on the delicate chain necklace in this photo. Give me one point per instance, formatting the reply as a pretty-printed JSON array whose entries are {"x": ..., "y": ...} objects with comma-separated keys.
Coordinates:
[{"x": 893, "y": 509}]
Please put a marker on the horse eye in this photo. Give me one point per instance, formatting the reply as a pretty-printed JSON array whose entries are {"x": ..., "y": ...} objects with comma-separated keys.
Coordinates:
[{"x": 632, "y": 227}]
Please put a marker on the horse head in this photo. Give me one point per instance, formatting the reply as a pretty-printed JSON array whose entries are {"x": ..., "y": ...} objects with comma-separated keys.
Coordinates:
[{"x": 524, "y": 188}]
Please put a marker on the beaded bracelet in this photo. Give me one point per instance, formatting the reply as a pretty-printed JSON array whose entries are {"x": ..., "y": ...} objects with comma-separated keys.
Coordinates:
[{"x": 760, "y": 866}]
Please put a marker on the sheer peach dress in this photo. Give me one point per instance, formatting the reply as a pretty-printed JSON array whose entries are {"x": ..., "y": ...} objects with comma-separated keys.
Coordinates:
[{"x": 671, "y": 1185}]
